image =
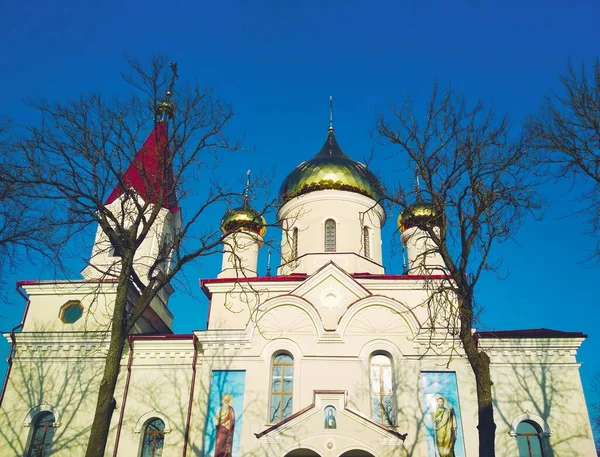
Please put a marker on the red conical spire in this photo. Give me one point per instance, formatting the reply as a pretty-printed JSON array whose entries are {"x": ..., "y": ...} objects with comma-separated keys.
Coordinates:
[{"x": 150, "y": 174}]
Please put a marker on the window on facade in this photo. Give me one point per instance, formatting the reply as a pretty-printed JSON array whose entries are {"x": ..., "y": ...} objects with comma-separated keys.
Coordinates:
[
  {"x": 382, "y": 390},
  {"x": 43, "y": 433},
  {"x": 529, "y": 440},
  {"x": 295, "y": 243},
  {"x": 154, "y": 438},
  {"x": 71, "y": 312},
  {"x": 329, "y": 235},
  {"x": 282, "y": 380},
  {"x": 367, "y": 242}
]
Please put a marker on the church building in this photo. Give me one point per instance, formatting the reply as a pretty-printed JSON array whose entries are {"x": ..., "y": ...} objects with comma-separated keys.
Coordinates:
[{"x": 328, "y": 356}]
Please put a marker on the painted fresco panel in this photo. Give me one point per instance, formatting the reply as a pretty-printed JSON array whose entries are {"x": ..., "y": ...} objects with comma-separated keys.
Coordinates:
[
  {"x": 442, "y": 414},
  {"x": 225, "y": 408}
]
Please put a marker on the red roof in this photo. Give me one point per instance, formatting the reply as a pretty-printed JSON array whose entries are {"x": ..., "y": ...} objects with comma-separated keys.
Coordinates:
[{"x": 149, "y": 174}]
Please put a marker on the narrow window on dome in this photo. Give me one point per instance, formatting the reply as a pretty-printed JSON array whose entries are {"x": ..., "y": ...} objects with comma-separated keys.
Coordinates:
[
  {"x": 329, "y": 235},
  {"x": 282, "y": 387},
  {"x": 295, "y": 243},
  {"x": 42, "y": 435},
  {"x": 382, "y": 390},
  {"x": 367, "y": 242}
]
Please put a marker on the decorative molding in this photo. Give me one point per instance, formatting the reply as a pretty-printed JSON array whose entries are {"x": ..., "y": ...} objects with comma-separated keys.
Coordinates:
[
  {"x": 44, "y": 407},
  {"x": 254, "y": 325},
  {"x": 331, "y": 270},
  {"x": 378, "y": 300},
  {"x": 145, "y": 418},
  {"x": 527, "y": 416},
  {"x": 293, "y": 320},
  {"x": 378, "y": 320}
]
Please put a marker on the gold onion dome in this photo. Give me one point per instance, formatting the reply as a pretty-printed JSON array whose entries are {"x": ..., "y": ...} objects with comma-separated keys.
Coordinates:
[
  {"x": 330, "y": 169},
  {"x": 165, "y": 109},
  {"x": 419, "y": 214},
  {"x": 244, "y": 218}
]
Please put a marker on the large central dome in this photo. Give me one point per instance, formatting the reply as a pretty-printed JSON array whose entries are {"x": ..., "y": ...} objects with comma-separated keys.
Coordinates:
[{"x": 330, "y": 169}]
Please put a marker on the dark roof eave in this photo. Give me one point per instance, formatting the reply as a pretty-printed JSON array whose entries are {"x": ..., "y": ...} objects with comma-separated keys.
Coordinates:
[{"x": 529, "y": 333}]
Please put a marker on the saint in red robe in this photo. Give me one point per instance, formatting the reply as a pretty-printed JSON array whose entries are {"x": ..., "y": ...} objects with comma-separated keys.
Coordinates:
[{"x": 225, "y": 423}]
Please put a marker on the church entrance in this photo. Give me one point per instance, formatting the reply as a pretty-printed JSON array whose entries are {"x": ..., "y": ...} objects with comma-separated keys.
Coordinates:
[
  {"x": 356, "y": 453},
  {"x": 302, "y": 453}
]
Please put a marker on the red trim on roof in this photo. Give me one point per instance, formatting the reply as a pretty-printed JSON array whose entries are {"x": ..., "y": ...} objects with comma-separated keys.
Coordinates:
[
  {"x": 294, "y": 277},
  {"x": 36, "y": 282},
  {"x": 303, "y": 276},
  {"x": 530, "y": 333},
  {"x": 149, "y": 174},
  {"x": 393, "y": 277}
]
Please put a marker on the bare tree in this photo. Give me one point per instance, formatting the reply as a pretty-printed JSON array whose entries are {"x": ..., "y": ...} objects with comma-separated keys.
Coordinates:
[
  {"x": 27, "y": 225},
  {"x": 82, "y": 149},
  {"x": 567, "y": 132},
  {"x": 474, "y": 174}
]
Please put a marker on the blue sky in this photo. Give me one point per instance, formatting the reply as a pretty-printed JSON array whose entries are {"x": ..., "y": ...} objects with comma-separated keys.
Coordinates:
[{"x": 277, "y": 62}]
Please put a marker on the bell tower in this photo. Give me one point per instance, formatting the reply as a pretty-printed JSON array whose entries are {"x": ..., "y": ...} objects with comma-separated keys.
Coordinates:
[{"x": 147, "y": 182}]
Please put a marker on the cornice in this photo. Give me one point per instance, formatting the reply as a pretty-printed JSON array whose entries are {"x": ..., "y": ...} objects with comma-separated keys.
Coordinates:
[
  {"x": 570, "y": 345},
  {"x": 236, "y": 285},
  {"x": 68, "y": 287},
  {"x": 404, "y": 282}
]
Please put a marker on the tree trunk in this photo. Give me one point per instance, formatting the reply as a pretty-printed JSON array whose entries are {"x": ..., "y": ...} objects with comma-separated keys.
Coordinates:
[
  {"x": 105, "y": 405},
  {"x": 486, "y": 425},
  {"x": 480, "y": 364}
]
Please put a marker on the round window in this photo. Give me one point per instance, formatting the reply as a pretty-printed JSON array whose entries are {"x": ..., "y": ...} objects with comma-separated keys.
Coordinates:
[{"x": 71, "y": 312}]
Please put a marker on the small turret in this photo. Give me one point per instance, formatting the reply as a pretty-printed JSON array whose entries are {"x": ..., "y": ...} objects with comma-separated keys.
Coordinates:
[
  {"x": 423, "y": 255},
  {"x": 244, "y": 229}
]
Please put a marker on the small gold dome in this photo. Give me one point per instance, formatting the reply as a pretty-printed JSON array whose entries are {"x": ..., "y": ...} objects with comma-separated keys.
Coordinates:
[
  {"x": 244, "y": 218},
  {"x": 165, "y": 108},
  {"x": 418, "y": 214},
  {"x": 330, "y": 169}
]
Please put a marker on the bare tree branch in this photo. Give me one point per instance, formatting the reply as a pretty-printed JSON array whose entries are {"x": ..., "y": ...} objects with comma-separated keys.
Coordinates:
[{"x": 474, "y": 174}]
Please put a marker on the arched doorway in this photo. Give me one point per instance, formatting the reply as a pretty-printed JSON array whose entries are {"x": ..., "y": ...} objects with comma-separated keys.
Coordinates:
[
  {"x": 302, "y": 453},
  {"x": 356, "y": 453}
]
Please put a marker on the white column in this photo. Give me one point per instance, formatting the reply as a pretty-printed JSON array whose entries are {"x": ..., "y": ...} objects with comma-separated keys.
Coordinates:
[
  {"x": 423, "y": 255},
  {"x": 240, "y": 255}
]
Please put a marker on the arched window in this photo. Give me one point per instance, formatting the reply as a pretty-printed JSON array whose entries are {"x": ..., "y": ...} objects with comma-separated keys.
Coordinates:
[
  {"x": 42, "y": 435},
  {"x": 154, "y": 438},
  {"x": 382, "y": 390},
  {"x": 282, "y": 387},
  {"x": 529, "y": 439},
  {"x": 367, "y": 242},
  {"x": 295, "y": 243},
  {"x": 329, "y": 235}
]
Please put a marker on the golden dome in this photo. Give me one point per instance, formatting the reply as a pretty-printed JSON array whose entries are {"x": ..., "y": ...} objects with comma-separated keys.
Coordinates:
[
  {"x": 417, "y": 214},
  {"x": 244, "y": 218},
  {"x": 330, "y": 169}
]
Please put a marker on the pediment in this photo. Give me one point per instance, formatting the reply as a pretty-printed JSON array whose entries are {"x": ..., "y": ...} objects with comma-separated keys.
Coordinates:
[
  {"x": 330, "y": 422},
  {"x": 331, "y": 290}
]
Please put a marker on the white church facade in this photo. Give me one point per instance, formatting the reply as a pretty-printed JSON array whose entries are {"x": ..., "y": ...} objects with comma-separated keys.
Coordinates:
[{"x": 330, "y": 356}]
